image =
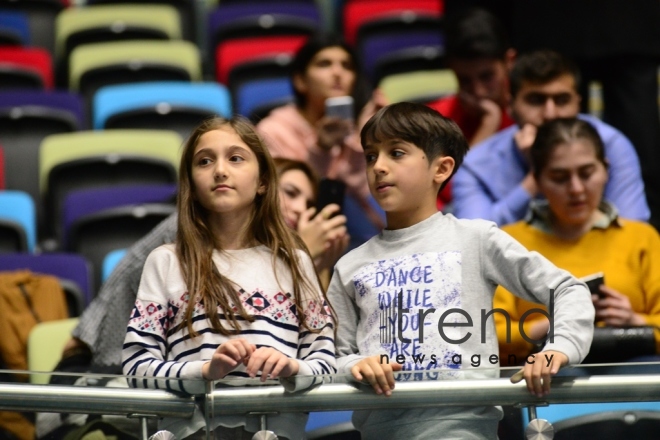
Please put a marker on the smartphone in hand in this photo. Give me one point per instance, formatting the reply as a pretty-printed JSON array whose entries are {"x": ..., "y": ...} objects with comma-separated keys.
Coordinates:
[
  {"x": 330, "y": 191},
  {"x": 340, "y": 107},
  {"x": 594, "y": 282}
]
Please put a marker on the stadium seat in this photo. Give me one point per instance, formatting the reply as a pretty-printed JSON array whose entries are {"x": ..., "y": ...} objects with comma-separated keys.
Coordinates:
[
  {"x": 45, "y": 346},
  {"x": 255, "y": 99},
  {"x": 419, "y": 86},
  {"x": 232, "y": 52},
  {"x": 106, "y": 23},
  {"x": 177, "y": 106},
  {"x": 186, "y": 9},
  {"x": 17, "y": 222},
  {"x": 110, "y": 261},
  {"x": 26, "y": 118},
  {"x": 25, "y": 68},
  {"x": 14, "y": 29},
  {"x": 250, "y": 19},
  {"x": 93, "y": 66},
  {"x": 356, "y": 12},
  {"x": 98, "y": 221},
  {"x": 95, "y": 159},
  {"x": 41, "y": 18}
]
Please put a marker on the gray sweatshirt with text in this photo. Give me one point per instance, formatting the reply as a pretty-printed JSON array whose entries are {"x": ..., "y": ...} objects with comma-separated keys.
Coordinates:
[{"x": 439, "y": 272}]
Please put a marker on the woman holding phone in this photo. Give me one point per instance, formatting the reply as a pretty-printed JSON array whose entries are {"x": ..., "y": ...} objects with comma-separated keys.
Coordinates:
[
  {"x": 323, "y": 69},
  {"x": 580, "y": 232},
  {"x": 325, "y": 234}
]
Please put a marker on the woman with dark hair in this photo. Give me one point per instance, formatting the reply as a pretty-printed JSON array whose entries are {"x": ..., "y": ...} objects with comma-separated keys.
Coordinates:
[
  {"x": 325, "y": 67},
  {"x": 577, "y": 230},
  {"x": 325, "y": 234}
]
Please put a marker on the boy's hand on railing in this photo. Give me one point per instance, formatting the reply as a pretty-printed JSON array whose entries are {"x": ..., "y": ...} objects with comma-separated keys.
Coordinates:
[
  {"x": 379, "y": 376},
  {"x": 271, "y": 362},
  {"x": 227, "y": 357},
  {"x": 538, "y": 374}
]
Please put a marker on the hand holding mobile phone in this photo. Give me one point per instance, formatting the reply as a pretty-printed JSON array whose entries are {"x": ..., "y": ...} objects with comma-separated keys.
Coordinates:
[
  {"x": 340, "y": 107},
  {"x": 594, "y": 282},
  {"x": 330, "y": 191}
]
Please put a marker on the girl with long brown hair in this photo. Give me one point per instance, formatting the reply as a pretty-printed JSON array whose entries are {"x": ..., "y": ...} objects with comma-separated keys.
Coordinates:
[{"x": 236, "y": 295}]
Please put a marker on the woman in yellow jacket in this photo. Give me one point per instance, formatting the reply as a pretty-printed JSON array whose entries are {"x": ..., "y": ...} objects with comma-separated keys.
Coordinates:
[{"x": 579, "y": 231}]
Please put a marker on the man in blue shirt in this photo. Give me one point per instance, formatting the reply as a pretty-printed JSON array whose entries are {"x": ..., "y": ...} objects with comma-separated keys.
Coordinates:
[{"x": 495, "y": 181}]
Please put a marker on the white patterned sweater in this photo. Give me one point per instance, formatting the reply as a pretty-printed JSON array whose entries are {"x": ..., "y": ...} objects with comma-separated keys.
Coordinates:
[{"x": 157, "y": 341}]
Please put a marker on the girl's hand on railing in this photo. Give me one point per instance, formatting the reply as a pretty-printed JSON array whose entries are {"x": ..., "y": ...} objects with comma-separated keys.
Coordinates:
[
  {"x": 271, "y": 362},
  {"x": 227, "y": 357}
]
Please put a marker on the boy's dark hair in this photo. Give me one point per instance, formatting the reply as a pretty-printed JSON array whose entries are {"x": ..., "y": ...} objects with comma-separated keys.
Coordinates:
[
  {"x": 541, "y": 67},
  {"x": 475, "y": 33},
  {"x": 421, "y": 126},
  {"x": 563, "y": 131}
]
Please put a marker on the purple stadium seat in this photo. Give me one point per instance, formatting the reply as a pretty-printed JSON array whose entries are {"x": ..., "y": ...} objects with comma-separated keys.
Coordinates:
[
  {"x": 98, "y": 221},
  {"x": 376, "y": 47},
  {"x": 268, "y": 18},
  {"x": 81, "y": 203}
]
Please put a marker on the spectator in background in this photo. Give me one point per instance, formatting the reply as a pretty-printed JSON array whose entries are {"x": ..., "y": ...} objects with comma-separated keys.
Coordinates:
[
  {"x": 579, "y": 231},
  {"x": 496, "y": 182},
  {"x": 323, "y": 68},
  {"x": 479, "y": 54},
  {"x": 617, "y": 43}
]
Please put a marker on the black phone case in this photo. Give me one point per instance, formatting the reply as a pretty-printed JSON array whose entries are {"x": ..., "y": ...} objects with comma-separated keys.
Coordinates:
[{"x": 330, "y": 191}]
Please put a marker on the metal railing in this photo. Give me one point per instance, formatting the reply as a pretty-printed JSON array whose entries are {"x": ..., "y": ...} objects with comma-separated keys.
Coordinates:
[{"x": 144, "y": 403}]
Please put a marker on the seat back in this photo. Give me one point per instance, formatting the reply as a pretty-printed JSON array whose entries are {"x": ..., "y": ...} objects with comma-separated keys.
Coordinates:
[
  {"x": 17, "y": 208},
  {"x": 41, "y": 16},
  {"x": 105, "y": 23},
  {"x": 187, "y": 10},
  {"x": 93, "y": 66},
  {"x": 14, "y": 29},
  {"x": 95, "y": 235},
  {"x": 110, "y": 261},
  {"x": 249, "y": 19},
  {"x": 177, "y": 106},
  {"x": 26, "y": 118},
  {"x": 419, "y": 86},
  {"x": 25, "y": 68},
  {"x": 382, "y": 37},
  {"x": 356, "y": 12},
  {"x": 255, "y": 99},
  {"x": 100, "y": 159},
  {"x": 45, "y": 345},
  {"x": 82, "y": 203},
  {"x": 254, "y": 71},
  {"x": 231, "y": 52}
]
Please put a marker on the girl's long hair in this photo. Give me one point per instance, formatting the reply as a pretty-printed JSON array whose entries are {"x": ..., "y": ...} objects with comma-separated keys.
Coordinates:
[{"x": 195, "y": 242}]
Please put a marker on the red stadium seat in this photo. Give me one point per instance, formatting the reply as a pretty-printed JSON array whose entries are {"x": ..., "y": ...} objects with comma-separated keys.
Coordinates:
[
  {"x": 235, "y": 51},
  {"x": 25, "y": 68},
  {"x": 357, "y": 12}
]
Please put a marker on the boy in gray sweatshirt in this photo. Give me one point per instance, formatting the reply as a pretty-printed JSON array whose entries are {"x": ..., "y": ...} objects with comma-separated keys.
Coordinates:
[{"x": 418, "y": 296}]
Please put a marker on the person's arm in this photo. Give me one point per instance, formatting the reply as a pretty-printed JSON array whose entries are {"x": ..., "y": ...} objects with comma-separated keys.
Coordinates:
[
  {"x": 532, "y": 277},
  {"x": 472, "y": 200},
  {"x": 145, "y": 345},
  {"x": 625, "y": 188},
  {"x": 510, "y": 339}
]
